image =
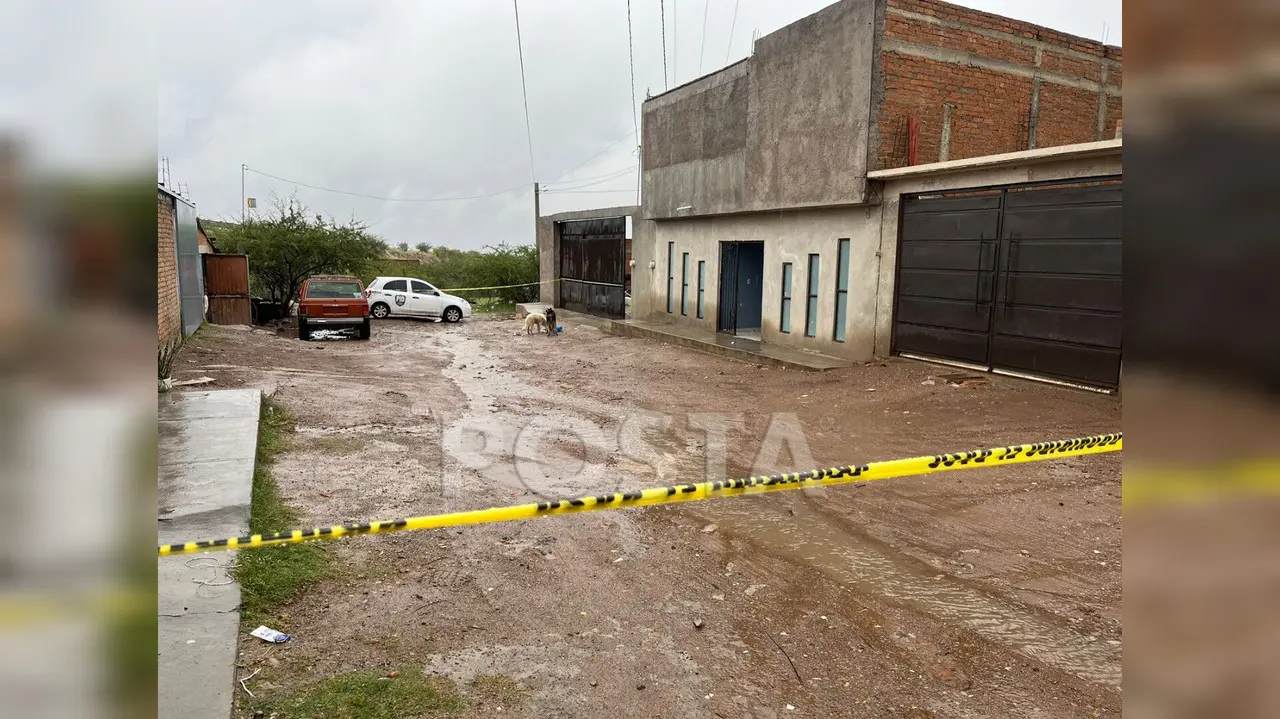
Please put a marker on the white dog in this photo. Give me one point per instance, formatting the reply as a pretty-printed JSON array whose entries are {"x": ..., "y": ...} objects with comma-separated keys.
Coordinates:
[{"x": 535, "y": 320}]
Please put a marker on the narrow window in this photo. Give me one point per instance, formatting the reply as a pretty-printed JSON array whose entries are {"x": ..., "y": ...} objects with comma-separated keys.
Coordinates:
[
  {"x": 702, "y": 285},
  {"x": 784, "y": 323},
  {"x": 684, "y": 284},
  {"x": 811, "y": 307},
  {"x": 842, "y": 289},
  {"x": 671, "y": 277}
]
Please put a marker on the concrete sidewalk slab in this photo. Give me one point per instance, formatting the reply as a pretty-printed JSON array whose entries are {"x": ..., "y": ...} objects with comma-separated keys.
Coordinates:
[
  {"x": 718, "y": 343},
  {"x": 208, "y": 441}
]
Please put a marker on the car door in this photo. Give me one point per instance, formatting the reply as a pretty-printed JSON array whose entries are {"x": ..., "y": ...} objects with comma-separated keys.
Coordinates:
[
  {"x": 396, "y": 293},
  {"x": 425, "y": 299}
]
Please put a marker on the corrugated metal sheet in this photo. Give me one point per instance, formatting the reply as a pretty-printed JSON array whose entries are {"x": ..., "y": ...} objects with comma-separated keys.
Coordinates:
[{"x": 190, "y": 277}]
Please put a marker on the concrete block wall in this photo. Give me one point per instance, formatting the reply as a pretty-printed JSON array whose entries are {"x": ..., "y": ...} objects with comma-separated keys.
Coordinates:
[
  {"x": 168, "y": 302},
  {"x": 981, "y": 84}
]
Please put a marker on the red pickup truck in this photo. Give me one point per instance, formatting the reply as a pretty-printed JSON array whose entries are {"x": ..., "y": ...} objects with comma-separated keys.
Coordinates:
[{"x": 332, "y": 302}]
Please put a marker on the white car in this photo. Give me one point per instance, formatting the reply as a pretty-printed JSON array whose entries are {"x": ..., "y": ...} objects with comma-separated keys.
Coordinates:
[{"x": 410, "y": 297}]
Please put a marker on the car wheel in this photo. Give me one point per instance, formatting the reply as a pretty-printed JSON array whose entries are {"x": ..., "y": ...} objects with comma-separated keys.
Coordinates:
[
  {"x": 452, "y": 314},
  {"x": 380, "y": 310},
  {"x": 304, "y": 332},
  {"x": 366, "y": 329}
]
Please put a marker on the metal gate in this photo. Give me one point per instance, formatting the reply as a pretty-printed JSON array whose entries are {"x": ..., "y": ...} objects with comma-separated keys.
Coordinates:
[
  {"x": 226, "y": 281},
  {"x": 1020, "y": 279},
  {"x": 593, "y": 266}
]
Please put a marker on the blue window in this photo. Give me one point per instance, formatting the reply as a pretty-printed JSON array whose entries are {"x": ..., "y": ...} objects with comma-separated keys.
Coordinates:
[
  {"x": 671, "y": 276},
  {"x": 684, "y": 284},
  {"x": 784, "y": 323},
  {"x": 842, "y": 289},
  {"x": 702, "y": 285},
  {"x": 811, "y": 307}
]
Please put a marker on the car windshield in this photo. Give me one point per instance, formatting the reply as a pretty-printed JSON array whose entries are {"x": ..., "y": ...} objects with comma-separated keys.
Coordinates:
[{"x": 334, "y": 290}]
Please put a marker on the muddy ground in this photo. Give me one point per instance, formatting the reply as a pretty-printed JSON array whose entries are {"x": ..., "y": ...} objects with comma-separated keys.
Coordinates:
[{"x": 987, "y": 593}]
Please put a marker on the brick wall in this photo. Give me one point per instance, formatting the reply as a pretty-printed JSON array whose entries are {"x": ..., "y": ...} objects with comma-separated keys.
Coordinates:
[
  {"x": 169, "y": 303},
  {"x": 1006, "y": 85}
]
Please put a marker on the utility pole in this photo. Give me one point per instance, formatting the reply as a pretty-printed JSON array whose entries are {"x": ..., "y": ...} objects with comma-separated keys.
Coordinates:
[
  {"x": 537, "y": 220},
  {"x": 537, "y": 211},
  {"x": 243, "y": 201}
]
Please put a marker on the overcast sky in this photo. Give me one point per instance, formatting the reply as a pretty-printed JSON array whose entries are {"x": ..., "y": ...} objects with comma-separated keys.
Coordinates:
[{"x": 417, "y": 100}]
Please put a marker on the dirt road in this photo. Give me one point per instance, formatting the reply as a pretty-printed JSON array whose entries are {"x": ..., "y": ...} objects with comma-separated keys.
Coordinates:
[{"x": 986, "y": 593}]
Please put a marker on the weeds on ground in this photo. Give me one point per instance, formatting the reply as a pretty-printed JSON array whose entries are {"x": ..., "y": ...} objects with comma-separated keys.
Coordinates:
[
  {"x": 273, "y": 576},
  {"x": 503, "y": 690},
  {"x": 367, "y": 695},
  {"x": 166, "y": 356},
  {"x": 338, "y": 444}
]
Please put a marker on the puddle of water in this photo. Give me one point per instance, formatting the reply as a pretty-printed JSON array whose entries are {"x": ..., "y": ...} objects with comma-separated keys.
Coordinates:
[{"x": 812, "y": 538}]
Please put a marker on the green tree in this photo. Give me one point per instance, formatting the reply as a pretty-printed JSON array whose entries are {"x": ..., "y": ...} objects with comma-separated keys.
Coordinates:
[
  {"x": 404, "y": 246},
  {"x": 289, "y": 245},
  {"x": 424, "y": 247}
]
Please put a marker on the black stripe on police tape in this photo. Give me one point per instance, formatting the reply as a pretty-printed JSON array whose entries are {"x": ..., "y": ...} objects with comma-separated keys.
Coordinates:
[{"x": 623, "y": 498}]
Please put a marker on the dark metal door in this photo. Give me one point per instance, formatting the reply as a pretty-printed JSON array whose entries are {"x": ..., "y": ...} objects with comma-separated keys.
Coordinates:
[
  {"x": 946, "y": 276},
  {"x": 1059, "y": 306},
  {"x": 750, "y": 279},
  {"x": 593, "y": 266},
  {"x": 728, "y": 313},
  {"x": 1023, "y": 279}
]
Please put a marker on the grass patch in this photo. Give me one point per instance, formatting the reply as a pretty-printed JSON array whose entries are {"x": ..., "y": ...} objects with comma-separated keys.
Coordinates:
[
  {"x": 338, "y": 444},
  {"x": 503, "y": 690},
  {"x": 273, "y": 576},
  {"x": 367, "y": 695}
]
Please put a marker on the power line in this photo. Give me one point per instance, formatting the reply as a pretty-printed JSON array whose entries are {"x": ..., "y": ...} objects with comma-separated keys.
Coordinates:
[
  {"x": 675, "y": 43},
  {"x": 732, "y": 25},
  {"x": 705, "y": 4},
  {"x": 612, "y": 145},
  {"x": 528, "y": 126},
  {"x": 386, "y": 199},
  {"x": 603, "y": 179},
  {"x": 662, "y": 8},
  {"x": 631, "y": 57},
  {"x": 607, "y": 175},
  {"x": 583, "y": 192}
]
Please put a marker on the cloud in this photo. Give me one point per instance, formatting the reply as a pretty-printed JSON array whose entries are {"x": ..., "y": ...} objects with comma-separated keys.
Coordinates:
[{"x": 416, "y": 100}]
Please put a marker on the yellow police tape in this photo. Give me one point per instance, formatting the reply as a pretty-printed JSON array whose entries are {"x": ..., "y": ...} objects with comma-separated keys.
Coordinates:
[
  {"x": 498, "y": 287},
  {"x": 1147, "y": 484},
  {"x": 1017, "y": 454}
]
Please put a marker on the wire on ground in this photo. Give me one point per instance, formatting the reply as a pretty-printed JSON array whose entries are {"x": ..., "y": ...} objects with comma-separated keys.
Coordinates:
[{"x": 1001, "y": 456}]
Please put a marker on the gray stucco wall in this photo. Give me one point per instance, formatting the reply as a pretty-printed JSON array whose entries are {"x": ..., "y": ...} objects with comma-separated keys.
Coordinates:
[
  {"x": 549, "y": 243},
  {"x": 694, "y": 146},
  {"x": 790, "y": 236},
  {"x": 783, "y": 129}
]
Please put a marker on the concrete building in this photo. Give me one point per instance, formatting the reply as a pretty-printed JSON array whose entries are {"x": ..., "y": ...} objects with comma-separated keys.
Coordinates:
[{"x": 765, "y": 198}]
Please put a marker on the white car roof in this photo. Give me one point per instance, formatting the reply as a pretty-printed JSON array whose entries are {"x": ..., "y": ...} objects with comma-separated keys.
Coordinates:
[{"x": 377, "y": 280}]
